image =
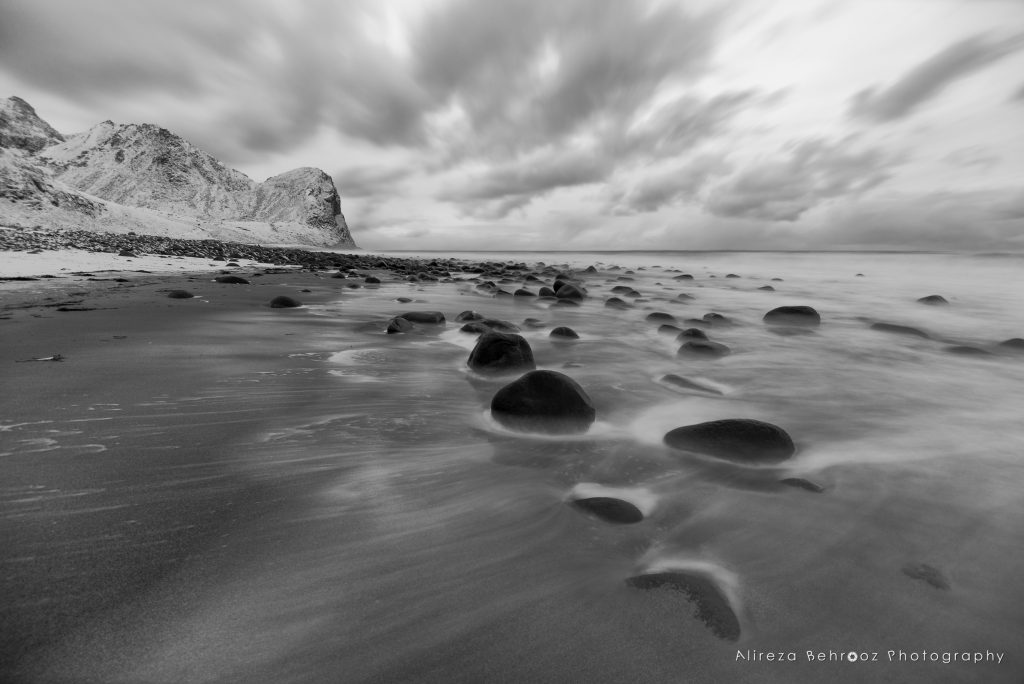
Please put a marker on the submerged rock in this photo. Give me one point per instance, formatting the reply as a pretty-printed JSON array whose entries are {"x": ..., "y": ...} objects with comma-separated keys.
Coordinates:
[
  {"x": 467, "y": 316},
  {"x": 569, "y": 291},
  {"x": 1015, "y": 343},
  {"x": 801, "y": 483},
  {"x": 399, "y": 325},
  {"x": 716, "y": 319},
  {"x": 180, "y": 294},
  {"x": 498, "y": 352},
  {"x": 435, "y": 317},
  {"x": 966, "y": 350},
  {"x": 544, "y": 401},
  {"x": 683, "y": 383},
  {"x": 610, "y": 509},
  {"x": 660, "y": 317},
  {"x": 713, "y": 607},
  {"x": 743, "y": 440},
  {"x": 284, "y": 302},
  {"x": 616, "y": 303},
  {"x": 793, "y": 315},
  {"x": 900, "y": 329},
  {"x": 703, "y": 348},
  {"x": 926, "y": 573},
  {"x": 564, "y": 332},
  {"x": 231, "y": 280},
  {"x": 933, "y": 300}
]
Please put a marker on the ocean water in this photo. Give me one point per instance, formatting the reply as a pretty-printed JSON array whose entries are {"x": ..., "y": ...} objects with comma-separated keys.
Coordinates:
[{"x": 400, "y": 534}]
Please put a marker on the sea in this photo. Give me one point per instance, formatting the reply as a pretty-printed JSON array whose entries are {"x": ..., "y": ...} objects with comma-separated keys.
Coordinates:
[{"x": 391, "y": 530}]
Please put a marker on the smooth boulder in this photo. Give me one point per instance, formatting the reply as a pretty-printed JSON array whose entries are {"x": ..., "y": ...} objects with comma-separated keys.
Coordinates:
[
  {"x": 498, "y": 352},
  {"x": 435, "y": 317},
  {"x": 284, "y": 302},
  {"x": 231, "y": 280},
  {"x": 610, "y": 509},
  {"x": 742, "y": 440},
  {"x": 544, "y": 401},
  {"x": 933, "y": 300},
  {"x": 564, "y": 332},
  {"x": 705, "y": 348},
  {"x": 793, "y": 315}
]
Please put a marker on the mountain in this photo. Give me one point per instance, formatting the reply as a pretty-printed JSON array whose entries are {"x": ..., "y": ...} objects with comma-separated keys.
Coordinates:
[{"x": 143, "y": 178}]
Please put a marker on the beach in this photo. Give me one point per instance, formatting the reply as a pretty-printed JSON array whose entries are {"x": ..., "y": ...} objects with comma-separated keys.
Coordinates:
[{"x": 212, "y": 489}]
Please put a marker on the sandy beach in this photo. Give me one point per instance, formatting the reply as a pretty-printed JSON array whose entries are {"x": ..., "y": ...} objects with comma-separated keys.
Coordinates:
[{"x": 211, "y": 489}]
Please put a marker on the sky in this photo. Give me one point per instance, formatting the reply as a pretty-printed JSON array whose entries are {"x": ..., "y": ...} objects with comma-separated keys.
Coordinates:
[{"x": 573, "y": 124}]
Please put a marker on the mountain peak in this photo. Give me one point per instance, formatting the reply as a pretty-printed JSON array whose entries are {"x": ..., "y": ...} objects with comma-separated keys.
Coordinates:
[{"x": 21, "y": 128}]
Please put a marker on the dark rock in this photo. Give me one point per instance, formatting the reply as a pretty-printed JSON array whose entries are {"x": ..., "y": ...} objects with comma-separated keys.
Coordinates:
[
  {"x": 435, "y": 317},
  {"x": 616, "y": 303},
  {"x": 569, "y": 291},
  {"x": 933, "y": 300},
  {"x": 497, "y": 324},
  {"x": 284, "y": 302},
  {"x": 180, "y": 294},
  {"x": 793, "y": 315},
  {"x": 127, "y": 253},
  {"x": 544, "y": 401},
  {"x": 533, "y": 323},
  {"x": 966, "y": 350},
  {"x": 734, "y": 439},
  {"x": 403, "y": 300},
  {"x": 703, "y": 348},
  {"x": 685, "y": 276},
  {"x": 801, "y": 483},
  {"x": 546, "y": 292},
  {"x": 731, "y": 275},
  {"x": 716, "y": 319},
  {"x": 926, "y": 573},
  {"x": 610, "y": 510},
  {"x": 231, "y": 280},
  {"x": 475, "y": 327},
  {"x": 660, "y": 317},
  {"x": 683, "y": 297},
  {"x": 666, "y": 329},
  {"x": 713, "y": 607},
  {"x": 1013, "y": 343},
  {"x": 564, "y": 332},
  {"x": 683, "y": 383},
  {"x": 899, "y": 329},
  {"x": 767, "y": 288},
  {"x": 523, "y": 292},
  {"x": 399, "y": 325},
  {"x": 691, "y": 334},
  {"x": 498, "y": 352},
  {"x": 371, "y": 280},
  {"x": 468, "y": 316}
]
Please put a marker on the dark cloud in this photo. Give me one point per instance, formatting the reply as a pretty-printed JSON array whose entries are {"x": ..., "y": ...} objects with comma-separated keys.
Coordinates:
[
  {"x": 679, "y": 183},
  {"x": 931, "y": 77},
  {"x": 501, "y": 189},
  {"x": 366, "y": 181},
  {"x": 810, "y": 173}
]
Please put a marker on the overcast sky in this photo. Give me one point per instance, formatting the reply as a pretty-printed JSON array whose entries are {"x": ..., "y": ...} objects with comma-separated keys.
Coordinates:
[{"x": 573, "y": 124}]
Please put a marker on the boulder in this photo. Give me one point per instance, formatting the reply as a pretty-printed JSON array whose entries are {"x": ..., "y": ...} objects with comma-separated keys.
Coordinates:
[
  {"x": 713, "y": 607},
  {"x": 616, "y": 303},
  {"x": 703, "y": 348},
  {"x": 933, "y": 300},
  {"x": 435, "y": 317},
  {"x": 793, "y": 315},
  {"x": 544, "y": 401},
  {"x": 1015, "y": 343},
  {"x": 180, "y": 294},
  {"x": 498, "y": 352},
  {"x": 284, "y": 302},
  {"x": 660, "y": 317},
  {"x": 569, "y": 291},
  {"x": 468, "y": 316},
  {"x": 610, "y": 509},
  {"x": 716, "y": 319},
  {"x": 691, "y": 334},
  {"x": 231, "y": 280},
  {"x": 734, "y": 439},
  {"x": 564, "y": 333},
  {"x": 398, "y": 325}
]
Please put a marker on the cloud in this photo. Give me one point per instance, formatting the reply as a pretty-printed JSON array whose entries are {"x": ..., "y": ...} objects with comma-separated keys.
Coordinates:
[
  {"x": 811, "y": 172},
  {"x": 678, "y": 183},
  {"x": 366, "y": 181},
  {"x": 498, "y": 190},
  {"x": 975, "y": 155},
  {"x": 929, "y": 78}
]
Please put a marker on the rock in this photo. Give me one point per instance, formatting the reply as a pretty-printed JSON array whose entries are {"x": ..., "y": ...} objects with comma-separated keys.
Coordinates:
[
  {"x": 683, "y": 383},
  {"x": 127, "y": 253},
  {"x": 713, "y": 607},
  {"x": 691, "y": 334},
  {"x": 399, "y": 325},
  {"x": 703, "y": 348},
  {"x": 544, "y": 401},
  {"x": 616, "y": 303},
  {"x": 793, "y": 315},
  {"x": 660, "y": 317},
  {"x": 666, "y": 329},
  {"x": 523, "y": 292},
  {"x": 926, "y": 573},
  {"x": 533, "y": 323},
  {"x": 546, "y": 292},
  {"x": 801, "y": 483},
  {"x": 468, "y": 316},
  {"x": 566, "y": 302},
  {"x": 284, "y": 302},
  {"x": 967, "y": 350},
  {"x": 933, "y": 300},
  {"x": 180, "y": 294},
  {"x": 899, "y": 329},
  {"x": 735, "y": 439},
  {"x": 1015, "y": 343},
  {"x": 371, "y": 280},
  {"x": 716, "y": 319},
  {"x": 475, "y": 327},
  {"x": 767, "y": 288},
  {"x": 435, "y": 317},
  {"x": 684, "y": 276},
  {"x": 610, "y": 510},
  {"x": 564, "y": 332},
  {"x": 683, "y": 297},
  {"x": 231, "y": 280},
  {"x": 731, "y": 275},
  {"x": 498, "y": 352},
  {"x": 569, "y": 291}
]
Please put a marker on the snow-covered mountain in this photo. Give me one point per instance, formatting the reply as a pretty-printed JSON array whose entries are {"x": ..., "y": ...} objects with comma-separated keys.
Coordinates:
[{"x": 143, "y": 178}]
